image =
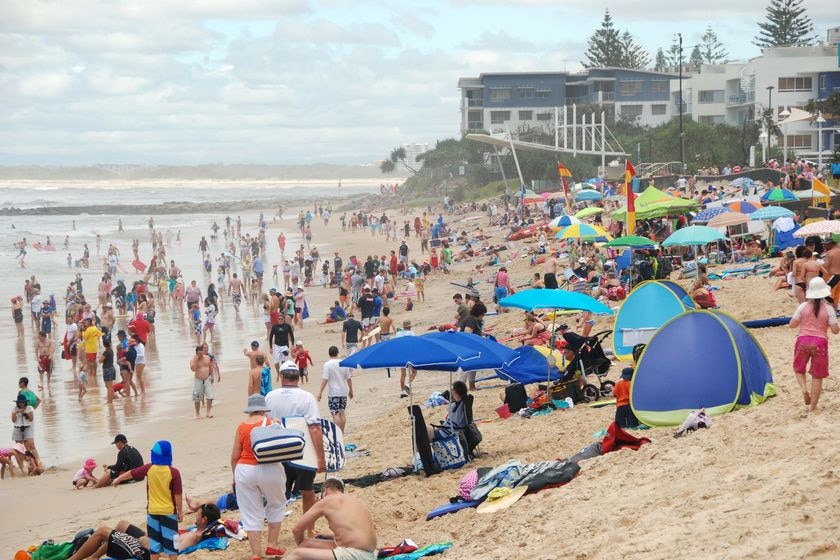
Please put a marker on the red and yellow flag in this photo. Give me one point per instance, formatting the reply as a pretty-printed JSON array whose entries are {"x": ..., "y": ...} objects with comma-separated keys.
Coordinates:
[
  {"x": 564, "y": 172},
  {"x": 629, "y": 173}
]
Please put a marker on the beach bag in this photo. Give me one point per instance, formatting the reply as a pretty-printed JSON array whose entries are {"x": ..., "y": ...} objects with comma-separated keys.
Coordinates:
[
  {"x": 537, "y": 476},
  {"x": 448, "y": 453},
  {"x": 272, "y": 443}
]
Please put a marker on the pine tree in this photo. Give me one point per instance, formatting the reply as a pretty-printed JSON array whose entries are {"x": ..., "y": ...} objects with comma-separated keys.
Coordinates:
[
  {"x": 712, "y": 49},
  {"x": 672, "y": 55},
  {"x": 604, "y": 47},
  {"x": 696, "y": 58},
  {"x": 661, "y": 63},
  {"x": 633, "y": 55},
  {"x": 786, "y": 24}
]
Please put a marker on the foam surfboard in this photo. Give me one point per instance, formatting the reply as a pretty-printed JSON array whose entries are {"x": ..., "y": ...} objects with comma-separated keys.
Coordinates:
[
  {"x": 600, "y": 404},
  {"x": 446, "y": 509},
  {"x": 372, "y": 333},
  {"x": 334, "y": 457},
  {"x": 49, "y": 247},
  {"x": 139, "y": 265}
]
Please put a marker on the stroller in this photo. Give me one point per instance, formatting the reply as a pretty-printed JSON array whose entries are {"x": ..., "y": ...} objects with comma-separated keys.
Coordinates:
[{"x": 594, "y": 362}]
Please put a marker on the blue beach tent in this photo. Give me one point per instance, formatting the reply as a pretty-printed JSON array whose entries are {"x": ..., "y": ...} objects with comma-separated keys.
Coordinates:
[
  {"x": 699, "y": 359},
  {"x": 649, "y": 306}
]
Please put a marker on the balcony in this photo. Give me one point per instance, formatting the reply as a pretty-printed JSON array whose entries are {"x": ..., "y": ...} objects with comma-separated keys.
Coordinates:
[
  {"x": 741, "y": 99},
  {"x": 475, "y": 102},
  {"x": 475, "y": 125}
]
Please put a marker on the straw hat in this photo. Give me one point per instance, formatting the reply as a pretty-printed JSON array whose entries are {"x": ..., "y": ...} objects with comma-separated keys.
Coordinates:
[
  {"x": 491, "y": 506},
  {"x": 817, "y": 289}
]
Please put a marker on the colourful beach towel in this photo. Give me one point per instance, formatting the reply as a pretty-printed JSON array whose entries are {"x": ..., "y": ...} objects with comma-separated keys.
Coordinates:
[
  {"x": 428, "y": 550},
  {"x": 213, "y": 543}
]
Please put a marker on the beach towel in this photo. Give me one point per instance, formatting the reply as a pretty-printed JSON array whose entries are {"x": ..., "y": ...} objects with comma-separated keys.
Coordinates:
[
  {"x": 213, "y": 543},
  {"x": 53, "y": 551},
  {"x": 617, "y": 438},
  {"x": 428, "y": 550}
]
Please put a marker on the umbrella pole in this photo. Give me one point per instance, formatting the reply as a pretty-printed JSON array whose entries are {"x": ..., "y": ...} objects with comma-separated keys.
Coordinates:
[{"x": 550, "y": 354}]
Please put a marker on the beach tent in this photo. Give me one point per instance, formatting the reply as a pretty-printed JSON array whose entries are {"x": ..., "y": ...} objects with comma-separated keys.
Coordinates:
[
  {"x": 649, "y": 306},
  {"x": 528, "y": 367},
  {"x": 653, "y": 203},
  {"x": 699, "y": 359}
]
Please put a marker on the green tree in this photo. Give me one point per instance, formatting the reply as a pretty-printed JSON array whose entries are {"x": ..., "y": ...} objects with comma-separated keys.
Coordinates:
[
  {"x": 711, "y": 48},
  {"x": 397, "y": 157},
  {"x": 829, "y": 107},
  {"x": 661, "y": 63},
  {"x": 696, "y": 58},
  {"x": 672, "y": 55},
  {"x": 604, "y": 47},
  {"x": 786, "y": 24},
  {"x": 633, "y": 55}
]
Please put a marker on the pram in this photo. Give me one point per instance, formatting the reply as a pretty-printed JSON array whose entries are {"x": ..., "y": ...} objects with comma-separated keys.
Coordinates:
[{"x": 591, "y": 356}]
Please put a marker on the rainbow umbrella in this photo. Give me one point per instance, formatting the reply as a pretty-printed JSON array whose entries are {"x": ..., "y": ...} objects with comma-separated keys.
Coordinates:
[
  {"x": 588, "y": 232},
  {"x": 778, "y": 195},
  {"x": 744, "y": 206}
]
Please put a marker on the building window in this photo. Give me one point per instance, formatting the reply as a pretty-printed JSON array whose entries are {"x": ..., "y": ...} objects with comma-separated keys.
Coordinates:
[
  {"x": 795, "y": 84},
  {"x": 797, "y": 141},
  {"x": 499, "y": 117},
  {"x": 659, "y": 86},
  {"x": 526, "y": 92},
  {"x": 710, "y": 96},
  {"x": 711, "y": 120},
  {"x": 545, "y": 116},
  {"x": 822, "y": 82},
  {"x": 500, "y": 94},
  {"x": 658, "y": 109},
  {"x": 543, "y": 93},
  {"x": 631, "y": 112},
  {"x": 526, "y": 115},
  {"x": 631, "y": 88}
]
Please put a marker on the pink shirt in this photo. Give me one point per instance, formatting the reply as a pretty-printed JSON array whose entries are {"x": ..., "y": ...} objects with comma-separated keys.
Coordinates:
[
  {"x": 811, "y": 325},
  {"x": 502, "y": 279}
]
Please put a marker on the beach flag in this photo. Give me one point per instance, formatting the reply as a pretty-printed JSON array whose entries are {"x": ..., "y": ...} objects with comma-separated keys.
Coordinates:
[
  {"x": 629, "y": 173},
  {"x": 564, "y": 172},
  {"x": 818, "y": 186}
]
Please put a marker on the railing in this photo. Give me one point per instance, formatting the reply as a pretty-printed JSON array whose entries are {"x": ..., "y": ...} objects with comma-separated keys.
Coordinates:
[
  {"x": 741, "y": 99},
  {"x": 475, "y": 125},
  {"x": 475, "y": 103}
]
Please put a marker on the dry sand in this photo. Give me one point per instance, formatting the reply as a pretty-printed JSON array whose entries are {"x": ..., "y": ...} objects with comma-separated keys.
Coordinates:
[{"x": 761, "y": 483}]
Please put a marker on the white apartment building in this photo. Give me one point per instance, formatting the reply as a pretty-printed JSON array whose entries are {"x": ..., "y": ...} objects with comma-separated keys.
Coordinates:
[{"x": 413, "y": 150}]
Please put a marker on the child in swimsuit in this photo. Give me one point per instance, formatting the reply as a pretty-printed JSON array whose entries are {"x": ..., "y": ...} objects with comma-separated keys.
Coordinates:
[{"x": 84, "y": 476}]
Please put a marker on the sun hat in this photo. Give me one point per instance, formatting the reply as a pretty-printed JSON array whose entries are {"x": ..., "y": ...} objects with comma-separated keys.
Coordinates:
[
  {"x": 298, "y": 343},
  {"x": 817, "y": 289},
  {"x": 90, "y": 464},
  {"x": 256, "y": 403},
  {"x": 288, "y": 365},
  {"x": 19, "y": 447},
  {"x": 501, "y": 498},
  {"x": 582, "y": 260}
]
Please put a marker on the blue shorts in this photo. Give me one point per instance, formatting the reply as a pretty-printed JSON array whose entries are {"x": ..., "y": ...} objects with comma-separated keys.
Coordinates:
[
  {"x": 162, "y": 530},
  {"x": 501, "y": 292}
]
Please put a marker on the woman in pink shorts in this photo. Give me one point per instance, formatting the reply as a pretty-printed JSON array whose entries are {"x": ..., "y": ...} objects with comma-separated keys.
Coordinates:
[{"x": 813, "y": 317}]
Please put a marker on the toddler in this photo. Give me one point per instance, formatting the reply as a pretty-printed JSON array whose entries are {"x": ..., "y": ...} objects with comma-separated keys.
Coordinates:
[{"x": 84, "y": 476}]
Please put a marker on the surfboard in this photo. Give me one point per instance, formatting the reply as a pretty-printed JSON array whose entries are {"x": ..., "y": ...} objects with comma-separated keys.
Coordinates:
[
  {"x": 601, "y": 404},
  {"x": 36, "y": 246},
  {"x": 372, "y": 333},
  {"x": 334, "y": 456},
  {"x": 49, "y": 247},
  {"x": 446, "y": 509},
  {"x": 139, "y": 265}
]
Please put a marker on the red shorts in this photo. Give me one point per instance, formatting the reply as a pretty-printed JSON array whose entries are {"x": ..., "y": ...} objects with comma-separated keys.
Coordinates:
[
  {"x": 45, "y": 364},
  {"x": 813, "y": 349},
  {"x": 90, "y": 356}
]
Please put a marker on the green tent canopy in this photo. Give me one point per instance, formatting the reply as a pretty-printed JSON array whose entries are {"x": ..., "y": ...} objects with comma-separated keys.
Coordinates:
[{"x": 653, "y": 203}]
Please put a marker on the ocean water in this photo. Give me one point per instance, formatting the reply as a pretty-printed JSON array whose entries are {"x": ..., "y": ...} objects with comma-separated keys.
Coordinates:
[{"x": 65, "y": 428}]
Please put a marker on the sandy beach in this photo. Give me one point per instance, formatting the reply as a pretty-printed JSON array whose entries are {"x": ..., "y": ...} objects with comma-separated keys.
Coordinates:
[{"x": 761, "y": 483}]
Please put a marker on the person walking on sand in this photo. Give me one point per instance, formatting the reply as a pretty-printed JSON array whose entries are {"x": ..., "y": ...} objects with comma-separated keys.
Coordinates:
[
  {"x": 203, "y": 383},
  {"x": 832, "y": 266},
  {"x": 339, "y": 384},
  {"x": 814, "y": 318},
  {"x": 44, "y": 352},
  {"x": 235, "y": 291},
  {"x": 349, "y": 519}
]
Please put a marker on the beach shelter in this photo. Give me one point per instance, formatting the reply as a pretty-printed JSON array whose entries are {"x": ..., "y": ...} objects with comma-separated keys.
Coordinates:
[
  {"x": 529, "y": 366},
  {"x": 699, "y": 359},
  {"x": 650, "y": 305}
]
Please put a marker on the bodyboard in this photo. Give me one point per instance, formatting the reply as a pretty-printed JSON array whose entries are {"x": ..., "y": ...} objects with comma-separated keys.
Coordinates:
[
  {"x": 334, "y": 457},
  {"x": 139, "y": 265},
  {"x": 446, "y": 509},
  {"x": 309, "y": 462}
]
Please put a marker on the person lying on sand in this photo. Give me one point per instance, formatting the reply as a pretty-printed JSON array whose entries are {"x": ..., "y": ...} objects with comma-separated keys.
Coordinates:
[{"x": 354, "y": 534}]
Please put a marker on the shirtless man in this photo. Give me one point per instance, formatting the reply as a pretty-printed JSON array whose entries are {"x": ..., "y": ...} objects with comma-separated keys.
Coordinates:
[
  {"x": 832, "y": 266},
  {"x": 811, "y": 268},
  {"x": 253, "y": 353},
  {"x": 44, "y": 352},
  {"x": 798, "y": 274},
  {"x": 349, "y": 520},
  {"x": 386, "y": 325},
  {"x": 235, "y": 291},
  {"x": 550, "y": 274},
  {"x": 203, "y": 385}
]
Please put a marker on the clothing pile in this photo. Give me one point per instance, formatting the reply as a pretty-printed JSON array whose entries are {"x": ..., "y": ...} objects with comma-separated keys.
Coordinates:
[{"x": 408, "y": 550}]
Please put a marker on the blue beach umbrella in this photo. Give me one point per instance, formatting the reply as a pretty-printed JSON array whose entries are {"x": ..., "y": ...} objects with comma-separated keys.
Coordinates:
[
  {"x": 771, "y": 213},
  {"x": 415, "y": 351},
  {"x": 707, "y": 214},
  {"x": 493, "y": 355},
  {"x": 693, "y": 235},
  {"x": 778, "y": 195},
  {"x": 532, "y": 299},
  {"x": 587, "y": 195}
]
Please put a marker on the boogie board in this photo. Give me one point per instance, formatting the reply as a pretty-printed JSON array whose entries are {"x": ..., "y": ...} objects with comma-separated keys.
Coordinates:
[
  {"x": 49, "y": 247},
  {"x": 446, "y": 509},
  {"x": 139, "y": 265},
  {"x": 334, "y": 457},
  {"x": 372, "y": 333}
]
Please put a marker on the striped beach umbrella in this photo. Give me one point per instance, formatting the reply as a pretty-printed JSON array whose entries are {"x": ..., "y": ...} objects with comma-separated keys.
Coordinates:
[
  {"x": 778, "y": 195},
  {"x": 586, "y": 232},
  {"x": 744, "y": 206}
]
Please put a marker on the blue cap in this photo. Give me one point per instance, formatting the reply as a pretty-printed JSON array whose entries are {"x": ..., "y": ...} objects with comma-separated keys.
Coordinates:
[{"x": 162, "y": 453}]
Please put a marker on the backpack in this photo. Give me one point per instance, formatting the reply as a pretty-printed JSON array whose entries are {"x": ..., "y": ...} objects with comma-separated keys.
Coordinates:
[
  {"x": 273, "y": 443},
  {"x": 645, "y": 269},
  {"x": 665, "y": 269}
]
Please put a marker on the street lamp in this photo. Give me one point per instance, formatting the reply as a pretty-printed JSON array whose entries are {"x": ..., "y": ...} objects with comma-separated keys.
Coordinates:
[
  {"x": 782, "y": 117},
  {"x": 820, "y": 121}
]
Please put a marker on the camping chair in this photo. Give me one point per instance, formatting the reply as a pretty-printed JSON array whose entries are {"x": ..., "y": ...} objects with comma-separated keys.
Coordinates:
[{"x": 573, "y": 282}]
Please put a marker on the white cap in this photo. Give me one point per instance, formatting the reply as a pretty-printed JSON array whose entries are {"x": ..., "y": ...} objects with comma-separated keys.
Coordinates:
[{"x": 288, "y": 365}]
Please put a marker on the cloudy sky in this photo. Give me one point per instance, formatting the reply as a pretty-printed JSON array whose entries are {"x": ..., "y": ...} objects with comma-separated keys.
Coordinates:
[{"x": 293, "y": 81}]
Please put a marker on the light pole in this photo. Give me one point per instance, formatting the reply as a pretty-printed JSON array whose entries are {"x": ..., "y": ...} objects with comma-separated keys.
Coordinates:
[
  {"x": 782, "y": 117},
  {"x": 820, "y": 121},
  {"x": 769, "y": 117},
  {"x": 682, "y": 140}
]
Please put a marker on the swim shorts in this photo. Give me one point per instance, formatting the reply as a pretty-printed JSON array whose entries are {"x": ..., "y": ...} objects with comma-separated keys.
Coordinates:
[
  {"x": 109, "y": 374},
  {"x": 45, "y": 364},
  {"x": 202, "y": 388},
  {"x": 90, "y": 356},
  {"x": 281, "y": 353},
  {"x": 342, "y": 553},
  {"x": 126, "y": 545},
  {"x": 337, "y": 404},
  {"x": 813, "y": 349},
  {"x": 163, "y": 529},
  {"x": 298, "y": 480}
]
